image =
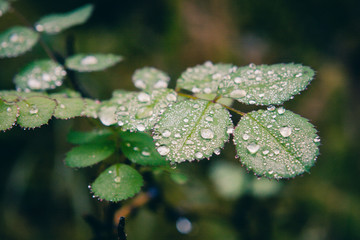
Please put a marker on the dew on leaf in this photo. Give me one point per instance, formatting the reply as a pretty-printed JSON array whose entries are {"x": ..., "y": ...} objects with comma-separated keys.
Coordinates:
[
  {"x": 253, "y": 148},
  {"x": 207, "y": 133},
  {"x": 238, "y": 93},
  {"x": 144, "y": 97},
  {"x": 285, "y": 131},
  {"x": 117, "y": 179},
  {"x": 140, "y": 127},
  {"x": 281, "y": 110},
  {"x": 89, "y": 60},
  {"x": 166, "y": 133},
  {"x": 199, "y": 155},
  {"x": 163, "y": 150},
  {"x": 245, "y": 136},
  {"x": 145, "y": 153}
]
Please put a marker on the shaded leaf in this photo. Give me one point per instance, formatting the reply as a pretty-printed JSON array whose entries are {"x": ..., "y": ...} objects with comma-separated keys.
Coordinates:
[
  {"x": 35, "y": 111},
  {"x": 276, "y": 143},
  {"x": 91, "y": 62},
  {"x": 16, "y": 41},
  {"x": 117, "y": 183},
  {"x": 149, "y": 78},
  {"x": 76, "y": 137},
  {"x": 139, "y": 111},
  {"x": 55, "y": 23},
  {"x": 40, "y": 75},
  {"x": 266, "y": 84},
  {"x": 139, "y": 148},
  {"x": 8, "y": 115},
  {"x": 192, "y": 129},
  {"x": 204, "y": 78},
  {"x": 89, "y": 154}
]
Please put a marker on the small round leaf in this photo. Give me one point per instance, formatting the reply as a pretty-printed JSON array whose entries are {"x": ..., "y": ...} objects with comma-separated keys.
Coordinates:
[
  {"x": 117, "y": 183},
  {"x": 91, "y": 62}
]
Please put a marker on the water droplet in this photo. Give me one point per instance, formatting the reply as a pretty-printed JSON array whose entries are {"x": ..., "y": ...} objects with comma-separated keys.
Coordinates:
[
  {"x": 281, "y": 110},
  {"x": 171, "y": 97},
  {"x": 136, "y": 149},
  {"x": 253, "y": 148},
  {"x": 34, "y": 110},
  {"x": 186, "y": 120},
  {"x": 238, "y": 93},
  {"x": 196, "y": 105},
  {"x": 265, "y": 152},
  {"x": 245, "y": 137},
  {"x": 207, "y": 133},
  {"x": 144, "y": 97},
  {"x": 14, "y": 37},
  {"x": 177, "y": 135},
  {"x": 163, "y": 150},
  {"x": 183, "y": 225},
  {"x": 89, "y": 60},
  {"x": 140, "y": 84},
  {"x": 195, "y": 90},
  {"x": 117, "y": 179},
  {"x": 140, "y": 127},
  {"x": 252, "y": 102},
  {"x": 199, "y": 155},
  {"x": 209, "y": 119},
  {"x": 160, "y": 84},
  {"x": 230, "y": 130},
  {"x": 207, "y": 90},
  {"x": 34, "y": 83},
  {"x": 145, "y": 153},
  {"x": 252, "y": 65},
  {"x": 237, "y": 80},
  {"x": 189, "y": 142},
  {"x": 317, "y": 139},
  {"x": 144, "y": 112},
  {"x": 298, "y": 75},
  {"x": 166, "y": 133},
  {"x": 217, "y": 151},
  {"x": 271, "y": 108},
  {"x": 8, "y": 109},
  {"x": 276, "y": 151},
  {"x": 285, "y": 131}
]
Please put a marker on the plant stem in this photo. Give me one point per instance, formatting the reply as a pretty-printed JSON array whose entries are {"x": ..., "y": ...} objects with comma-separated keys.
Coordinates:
[{"x": 187, "y": 95}]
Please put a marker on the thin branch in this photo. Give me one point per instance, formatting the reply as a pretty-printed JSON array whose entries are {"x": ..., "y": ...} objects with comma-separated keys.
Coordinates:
[
  {"x": 187, "y": 95},
  {"x": 233, "y": 110}
]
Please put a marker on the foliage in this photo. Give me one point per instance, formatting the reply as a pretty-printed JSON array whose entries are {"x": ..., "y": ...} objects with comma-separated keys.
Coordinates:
[{"x": 158, "y": 125}]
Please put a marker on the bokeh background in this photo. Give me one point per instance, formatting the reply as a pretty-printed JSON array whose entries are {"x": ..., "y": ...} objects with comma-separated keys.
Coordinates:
[{"x": 40, "y": 198}]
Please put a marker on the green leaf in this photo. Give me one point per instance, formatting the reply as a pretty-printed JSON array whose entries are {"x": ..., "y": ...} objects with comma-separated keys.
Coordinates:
[
  {"x": 8, "y": 115},
  {"x": 35, "y": 111},
  {"x": 14, "y": 96},
  {"x": 68, "y": 107},
  {"x": 40, "y": 75},
  {"x": 55, "y": 23},
  {"x": 91, "y": 108},
  {"x": 192, "y": 129},
  {"x": 204, "y": 78},
  {"x": 4, "y": 7},
  {"x": 276, "y": 143},
  {"x": 89, "y": 154},
  {"x": 16, "y": 41},
  {"x": 139, "y": 148},
  {"x": 117, "y": 183},
  {"x": 139, "y": 111},
  {"x": 266, "y": 84},
  {"x": 149, "y": 78},
  {"x": 92, "y": 62},
  {"x": 76, "y": 137}
]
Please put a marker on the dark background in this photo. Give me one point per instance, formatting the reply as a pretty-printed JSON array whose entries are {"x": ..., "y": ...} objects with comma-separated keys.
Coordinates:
[{"x": 42, "y": 199}]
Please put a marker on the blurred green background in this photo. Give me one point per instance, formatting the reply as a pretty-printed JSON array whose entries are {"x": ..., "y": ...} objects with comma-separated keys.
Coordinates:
[{"x": 42, "y": 199}]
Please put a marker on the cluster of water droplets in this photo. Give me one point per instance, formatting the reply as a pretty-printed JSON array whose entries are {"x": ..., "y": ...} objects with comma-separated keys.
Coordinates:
[
  {"x": 266, "y": 84},
  {"x": 192, "y": 129},
  {"x": 204, "y": 78},
  {"x": 16, "y": 41},
  {"x": 139, "y": 111},
  {"x": 276, "y": 143},
  {"x": 150, "y": 78},
  {"x": 40, "y": 75}
]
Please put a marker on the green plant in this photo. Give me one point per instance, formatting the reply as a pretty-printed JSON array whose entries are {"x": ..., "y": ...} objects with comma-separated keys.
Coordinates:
[{"x": 158, "y": 125}]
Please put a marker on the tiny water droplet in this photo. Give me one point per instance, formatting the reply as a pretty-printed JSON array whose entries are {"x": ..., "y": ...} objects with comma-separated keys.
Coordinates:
[
  {"x": 317, "y": 139},
  {"x": 253, "y": 148},
  {"x": 189, "y": 142},
  {"x": 34, "y": 110},
  {"x": 209, "y": 119},
  {"x": 62, "y": 106},
  {"x": 217, "y": 151},
  {"x": 145, "y": 153},
  {"x": 171, "y": 97},
  {"x": 265, "y": 152},
  {"x": 199, "y": 155},
  {"x": 163, "y": 150},
  {"x": 144, "y": 97},
  {"x": 298, "y": 75},
  {"x": 276, "y": 151},
  {"x": 281, "y": 110},
  {"x": 196, "y": 105},
  {"x": 177, "y": 135},
  {"x": 230, "y": 130},
  {"x": 144, "y": 112},
  {"x": 271, "y": 108},
  {"x": 166, "y": 133},
  {"x": 8, "y": 109},
  {"x": 186, "y": 120},
  {"x": 285, "y": 131},
  {"x": 140, "y": 127},
  {"x": 117, "y": 179},
  {"x": 207, "y": 133},
  {"x": 245, "y": 137}
]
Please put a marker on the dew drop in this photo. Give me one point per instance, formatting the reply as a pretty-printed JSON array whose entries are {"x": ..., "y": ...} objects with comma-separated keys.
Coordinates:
[
  {"x": 117, "y": 179},
  {"x": 217, "y": 151},
  {"x": 163, "y": 150},
  {"x": 171, "y": 97},
  {"x": 145, "y": 153},
  {"x": 209, "y": 119},
  {"x": 186, "y": 120},
  {"x": 189, "y": 142},
  {"x": 14, "y": 37},
  {"x": 317, "y": 139},
  {"x": 207, "y": 133},
  {"x": 196, "y": 105},
  {"x": 271, "y": 108},
  {"x": 265, "y": 152},
  {"x": 245, "y": 137},
  {"x": 252, "y": 102},
  {"x": 140, "y": 84},
  {"x": 89, "y": 60},
  {"x": 144, "y": 97},
  {"x": 34, "y": 110},
  {"x": 276, "y": 151},
  {"x": 8, "y": 109},
  {"x": 160, "y": 84},
  {"x": 285, "y": 131},
  {"x": 238, "y": 93},
  {"x": 166, "y": 133},
  {"x": 199, "y": 155},
  {"x": 144, "y": 112},
  {"x": 177, "y": 135},
  {"x": 230, "y": 130},
  {"x": 281, "y": 110},
  {"x": 253, "y": 148},
  {"x": 298, "y": 75},
  {"x": 140, "y": 127}
]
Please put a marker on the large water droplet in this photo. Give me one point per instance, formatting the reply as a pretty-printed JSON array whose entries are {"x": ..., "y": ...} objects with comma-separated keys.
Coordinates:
[
  {"x": 207, "y": 133},
  {"x": 285, "y": 131},
  {"x": 89, "y": 60},
  {"x": 34, "y": 110},
  {"x": 140, "y": 84},
  {"x": 217, "y": 151},
  {"x": 245, "y": 136},
  {"x": 199, "y": 155},
  {"x": 144, "y": 112},
  {"x": 238, "y": 93},
  {"x": 253, "y": 148},
  {"x": 140, "y": 127},
  {"x": 163, "y": 150},
  {"x": 281, "y": 110}
]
